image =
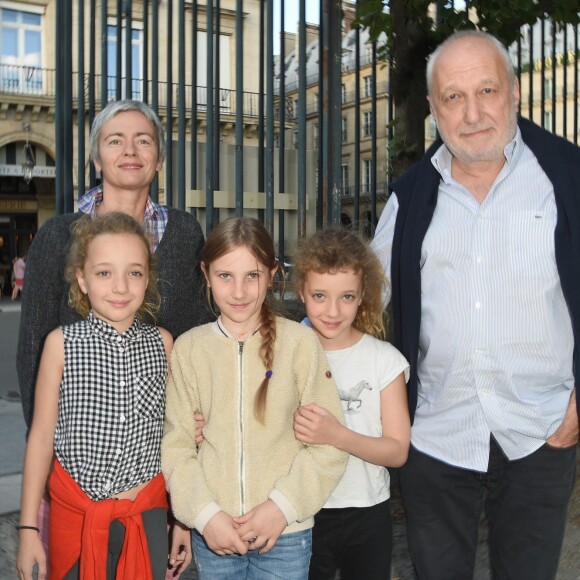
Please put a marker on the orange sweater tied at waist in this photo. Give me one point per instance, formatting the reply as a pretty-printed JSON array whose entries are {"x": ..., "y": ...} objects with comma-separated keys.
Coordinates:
[{"x": 79, "y": 529}]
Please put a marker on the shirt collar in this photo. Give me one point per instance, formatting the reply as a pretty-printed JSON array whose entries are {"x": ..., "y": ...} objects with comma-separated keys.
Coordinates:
[
  {"x": 442, "y": 158},
  {"x": 89, "y": 202},
  {"x": 110, "y": 333}
]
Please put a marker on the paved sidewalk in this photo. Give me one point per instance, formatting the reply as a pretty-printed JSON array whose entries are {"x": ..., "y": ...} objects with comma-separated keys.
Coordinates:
[{"x": 401, "y": 567}]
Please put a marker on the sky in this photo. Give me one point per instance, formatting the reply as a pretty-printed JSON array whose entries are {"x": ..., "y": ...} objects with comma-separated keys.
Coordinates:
[{"x": 291, "y": 8}]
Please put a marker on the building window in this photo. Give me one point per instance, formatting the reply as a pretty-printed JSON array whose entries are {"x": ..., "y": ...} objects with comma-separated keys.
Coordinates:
[
  {"x": 368, "y": 86},
  {"x": 295, "y": 139},
  {"x": 344, "y": 130},
  {"x": 367, "y": 175},
  {"x": 315, "y": 135},
  {"x": 343, "y": 93},
  {"x": 548, "y": 117},
  {"x": 367, "y": 123},
  {"x": 548, "y": 86},
  {"x": 136, "y": 62},
  {"x": 21, "y": 51},
  {"x": 344, "y": 178},
  {"x": 369, "y": 52}
]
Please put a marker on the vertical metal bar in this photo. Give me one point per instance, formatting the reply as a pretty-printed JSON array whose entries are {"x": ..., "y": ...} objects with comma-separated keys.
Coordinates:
[
  {"x": 374, "y": 156},
  {"x": 554, "y": 71},
  {"x": 576, "y": 86},
  {"x": 145, "y": 89},
  {"x": 217, "y": 103},
  {"x": 194, "y": 82},
  {"x": 119, "y": 51},
  {"x": 66, "y": 87},
  {"x": 391, "y": 108},
  {"x": 181, "y": 106},
  {"x": 565, "y": 83},
  {"x": 92, "y": 74},
  {"x": 531, "y": 75},
  {"x": 154, "y": 189},
  {"x": 128, "y": 49},
  {"x": 281, "y": 137},
  {"x": 543, "y": 74},
  {"x": 81, "y": 100},
  {"x": 356, "y": 212},
  {"x": 104, "y": 56},
  {"x": 302, "y": 120},
  {"x": 324, "y": 83},
  {"x": 261, "y": 99},
  {"x": 519, "y": 63},
  {"x": 58, "y": 110},
  {"x": 169, "y": 108},
  {"x": 334, "y": 109},
  {"x": 209, "y": 188},
  {"x": 239, "y": 107},
  {"x": 322, "y": 137},
  {"x": 269, "y": 221}
]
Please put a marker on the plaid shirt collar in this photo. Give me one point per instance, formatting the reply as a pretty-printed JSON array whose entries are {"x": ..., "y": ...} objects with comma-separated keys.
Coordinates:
[{"x": 155, "y": 216}]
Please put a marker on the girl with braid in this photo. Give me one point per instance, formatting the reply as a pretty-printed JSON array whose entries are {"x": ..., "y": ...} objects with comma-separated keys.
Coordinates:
[{"x": 251, "y": 489}]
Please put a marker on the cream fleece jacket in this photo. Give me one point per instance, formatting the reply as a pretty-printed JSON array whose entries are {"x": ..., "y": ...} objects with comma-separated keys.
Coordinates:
[{"x": 241, "y": 462}]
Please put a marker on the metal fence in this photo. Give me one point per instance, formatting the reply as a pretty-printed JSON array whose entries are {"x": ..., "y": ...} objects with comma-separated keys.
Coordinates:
[{"x": 547, "y": 61}]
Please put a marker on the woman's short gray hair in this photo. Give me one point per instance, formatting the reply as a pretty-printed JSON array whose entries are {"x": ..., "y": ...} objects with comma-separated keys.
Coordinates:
[
  {"x": 113, "y": 109},
  {"x": 469, "y": 34}
]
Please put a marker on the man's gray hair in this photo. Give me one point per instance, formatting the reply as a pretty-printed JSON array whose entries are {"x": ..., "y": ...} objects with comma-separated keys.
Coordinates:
[
  {"x": 113, "y": 109},
  {"x": 431, "y": 61}
]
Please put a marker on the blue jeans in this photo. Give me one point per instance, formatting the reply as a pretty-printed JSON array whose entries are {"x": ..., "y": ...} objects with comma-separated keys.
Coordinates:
[{"x": 287, "y": 560}]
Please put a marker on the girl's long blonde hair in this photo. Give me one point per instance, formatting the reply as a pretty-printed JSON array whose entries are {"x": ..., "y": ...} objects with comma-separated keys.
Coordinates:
[
  {"x": 85, "y": 230},
  {"x": 338, "y": 250},
  {"x": 246, "y": 232}
]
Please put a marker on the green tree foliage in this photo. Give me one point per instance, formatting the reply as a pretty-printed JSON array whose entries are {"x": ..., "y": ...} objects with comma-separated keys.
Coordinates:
[{"x": 414, "y": 28}]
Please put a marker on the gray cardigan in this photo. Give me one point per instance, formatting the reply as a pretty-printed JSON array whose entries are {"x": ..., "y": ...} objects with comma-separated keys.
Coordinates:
[{"x": 45, "y": 295}]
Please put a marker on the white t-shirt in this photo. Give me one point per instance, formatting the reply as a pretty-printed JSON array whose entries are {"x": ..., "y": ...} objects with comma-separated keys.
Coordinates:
[{"x": 361, "y": 372}]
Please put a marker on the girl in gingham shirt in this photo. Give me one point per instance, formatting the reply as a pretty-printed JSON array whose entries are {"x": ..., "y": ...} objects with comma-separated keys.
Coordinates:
[{"x": 100, "y": 400}]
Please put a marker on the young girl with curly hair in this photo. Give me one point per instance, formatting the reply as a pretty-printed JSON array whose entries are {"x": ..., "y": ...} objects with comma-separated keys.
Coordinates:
[
  {"x": 341, "y": 282},
  {"x": 99, "y": 407}
]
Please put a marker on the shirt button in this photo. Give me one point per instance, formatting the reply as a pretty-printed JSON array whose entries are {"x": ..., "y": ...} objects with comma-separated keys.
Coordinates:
[
  {"x": 121, "y": 349},
  {"x": 479, "y": 259},
  {"x": 119, "y": 338},
  {"x": 481, "y": 216},
  {"x": 478, "y": 350},
  {"x": 477, "y": 305},
  {"x": 122, "y": 383},
  {"x": 119, "y": 451},
  {"x": 122, "y": 418}
]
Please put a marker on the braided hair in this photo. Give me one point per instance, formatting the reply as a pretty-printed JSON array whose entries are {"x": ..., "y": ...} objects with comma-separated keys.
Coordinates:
[{"x": 251, "y": 234}]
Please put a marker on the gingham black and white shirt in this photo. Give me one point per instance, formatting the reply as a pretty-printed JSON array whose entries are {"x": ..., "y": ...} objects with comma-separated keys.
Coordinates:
[{"x": 111, "y": 406}]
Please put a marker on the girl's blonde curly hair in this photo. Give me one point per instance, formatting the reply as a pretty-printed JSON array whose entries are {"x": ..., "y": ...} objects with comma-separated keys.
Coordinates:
[
  {"x": 338, "y": 250},
  {"x": 85, "y": 230}
]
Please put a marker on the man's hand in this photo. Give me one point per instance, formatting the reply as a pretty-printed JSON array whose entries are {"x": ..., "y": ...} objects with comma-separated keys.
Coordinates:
[{"x": 567, "y": 433}]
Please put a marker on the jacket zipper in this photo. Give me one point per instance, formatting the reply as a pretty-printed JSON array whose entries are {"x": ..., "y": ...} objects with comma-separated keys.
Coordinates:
[{"x": 241, "y": 423}]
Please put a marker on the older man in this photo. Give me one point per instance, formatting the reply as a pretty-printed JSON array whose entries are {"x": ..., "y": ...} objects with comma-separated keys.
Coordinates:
[{"x": 482, "y": 242}]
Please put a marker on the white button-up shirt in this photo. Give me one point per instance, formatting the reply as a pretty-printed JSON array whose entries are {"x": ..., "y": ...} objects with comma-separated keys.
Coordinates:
[{"x": 496, "y": 343}]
